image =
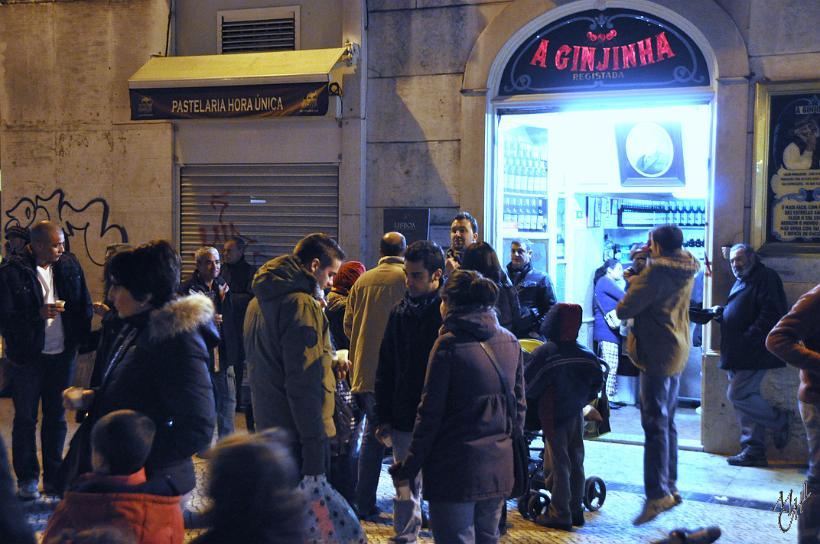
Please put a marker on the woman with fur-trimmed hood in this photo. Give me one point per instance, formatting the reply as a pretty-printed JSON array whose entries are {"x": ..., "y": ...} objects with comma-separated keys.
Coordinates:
[{"x": 158, "y": 365}]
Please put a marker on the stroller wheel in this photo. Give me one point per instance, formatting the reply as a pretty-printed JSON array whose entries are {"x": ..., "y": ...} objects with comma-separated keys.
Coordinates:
[
  {"x": 538, "y": 503},
  {"x": 594, "y": 493}
]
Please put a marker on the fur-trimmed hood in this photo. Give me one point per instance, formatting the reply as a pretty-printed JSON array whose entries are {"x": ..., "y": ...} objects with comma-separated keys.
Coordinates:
[
  {"x": 181, "y": 315},
  {"x": 680, "y": 265}
]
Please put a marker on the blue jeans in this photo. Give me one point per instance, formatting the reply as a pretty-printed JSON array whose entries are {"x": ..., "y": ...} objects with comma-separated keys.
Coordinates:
[
  {"x": 466, "y": 522},
  {"x": 43, "y": 378},
  {"x": 659, "y": 400},
  {"x": 224, "y": 384},
  {"x": 754, "y": 413},
  {"x": 406, "y": 512},
  {"x": 370, "y": 457}
]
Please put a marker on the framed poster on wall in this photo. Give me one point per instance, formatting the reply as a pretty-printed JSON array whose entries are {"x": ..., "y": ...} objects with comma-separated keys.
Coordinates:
[
  {"x": 650, "y": 154},
  {"x": 786, "y": 207}
]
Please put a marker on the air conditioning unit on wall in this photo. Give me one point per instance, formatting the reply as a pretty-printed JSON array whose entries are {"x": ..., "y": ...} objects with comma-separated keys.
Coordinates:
[{"x": 261, "y": 29}]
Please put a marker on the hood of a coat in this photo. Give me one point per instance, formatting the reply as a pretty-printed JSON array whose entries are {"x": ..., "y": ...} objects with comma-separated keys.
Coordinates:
[
  {"x": 281, "y": 276},
  {"x": 182, "y": 315},
  {"x": 678, "y": 267},
  {"x": 480, "y": 322}
]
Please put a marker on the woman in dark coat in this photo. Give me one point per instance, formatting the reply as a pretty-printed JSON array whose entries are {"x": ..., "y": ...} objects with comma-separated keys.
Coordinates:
[
  {"x": 158, "y": 365},
  {"x": 482, "y": 258},
  {"x": 461, "y": 439}
]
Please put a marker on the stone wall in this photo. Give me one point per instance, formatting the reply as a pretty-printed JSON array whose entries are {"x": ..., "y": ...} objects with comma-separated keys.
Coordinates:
[
  {"x": 417, "y": 50},
  {"x": 69, "y": 150}
]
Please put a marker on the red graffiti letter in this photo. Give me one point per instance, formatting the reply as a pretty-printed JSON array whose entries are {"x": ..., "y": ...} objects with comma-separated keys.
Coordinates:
[
  {"x": 541, "y": 55},
  {"x": 561, "y": 61},
  {"x": 662, "y": 45}
]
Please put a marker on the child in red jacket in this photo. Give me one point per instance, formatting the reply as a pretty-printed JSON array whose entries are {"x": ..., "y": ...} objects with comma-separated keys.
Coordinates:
[{"x": 117, "y": 494}]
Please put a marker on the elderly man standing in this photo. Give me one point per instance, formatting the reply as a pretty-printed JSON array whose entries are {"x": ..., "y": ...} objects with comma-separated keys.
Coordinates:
[
  {"x": 658, "y": 344},
  {"x": 755, "y": 304},
  {"x": 206, "y": 280},
  {"x": 45, "y": 313},
  {"x": 368, "y": 309}
]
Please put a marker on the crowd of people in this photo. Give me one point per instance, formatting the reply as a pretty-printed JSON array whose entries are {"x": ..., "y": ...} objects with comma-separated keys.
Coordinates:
[{"x": 333, "y": 364}]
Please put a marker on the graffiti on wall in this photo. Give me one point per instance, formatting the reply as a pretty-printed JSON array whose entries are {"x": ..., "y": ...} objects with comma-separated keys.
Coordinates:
[
  {"x": 87, "y": 230},
  {"x": 224, "y": 229}
]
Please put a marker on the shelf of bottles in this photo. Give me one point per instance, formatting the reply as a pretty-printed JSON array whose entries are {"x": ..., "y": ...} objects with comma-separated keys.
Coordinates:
[
  {"x": 648, "y": 213},
  {"x": 525, "y": 188}
]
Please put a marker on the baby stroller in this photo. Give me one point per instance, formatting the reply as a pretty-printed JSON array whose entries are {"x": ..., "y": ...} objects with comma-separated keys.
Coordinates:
[{"x": 537, "y": 498}]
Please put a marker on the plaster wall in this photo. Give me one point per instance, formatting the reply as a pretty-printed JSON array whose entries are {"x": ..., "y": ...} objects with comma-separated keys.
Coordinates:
[{"x": 69, "y": 150}]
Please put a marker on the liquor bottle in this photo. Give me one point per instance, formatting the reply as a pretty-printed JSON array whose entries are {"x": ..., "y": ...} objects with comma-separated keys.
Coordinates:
[
  {"x": 541, "y": 225},
  {"x": 507, "y": 214}
]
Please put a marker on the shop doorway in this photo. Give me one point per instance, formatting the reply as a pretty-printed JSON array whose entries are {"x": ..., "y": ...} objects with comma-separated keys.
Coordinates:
[{"x": 584, "y": 182}]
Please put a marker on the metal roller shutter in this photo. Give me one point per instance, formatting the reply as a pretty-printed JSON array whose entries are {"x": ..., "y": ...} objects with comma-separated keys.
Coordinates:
[{"x": 270, "y": 206}]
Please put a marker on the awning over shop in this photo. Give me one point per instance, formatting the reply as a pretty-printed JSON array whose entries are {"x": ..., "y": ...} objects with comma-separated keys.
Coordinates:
[{"x": 275, "y": 84}]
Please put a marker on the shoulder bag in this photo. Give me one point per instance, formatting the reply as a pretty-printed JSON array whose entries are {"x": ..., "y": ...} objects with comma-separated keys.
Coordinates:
[{"x": 521, "y": 448}]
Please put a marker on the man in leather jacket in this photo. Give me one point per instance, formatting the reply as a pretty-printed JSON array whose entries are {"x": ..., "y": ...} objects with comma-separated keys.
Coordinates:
[{"x": 535, "y": 291}]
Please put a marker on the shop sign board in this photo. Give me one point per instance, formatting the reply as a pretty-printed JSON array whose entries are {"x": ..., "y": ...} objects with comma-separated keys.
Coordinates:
[
  {"x": 413, "y": 223},
  {"x": 246, "y": 101},
  {"x": 786, "y": 213},
  {"x": 606, "y": 49}
]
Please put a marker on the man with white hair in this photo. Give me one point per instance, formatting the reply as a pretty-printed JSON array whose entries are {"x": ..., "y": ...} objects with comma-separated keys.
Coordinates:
[
  {"x": 756, "y": 303},
  {"x": 206, "y": 280}
]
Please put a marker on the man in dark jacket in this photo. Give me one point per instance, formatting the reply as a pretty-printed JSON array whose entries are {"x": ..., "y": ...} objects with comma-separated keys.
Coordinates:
[
  {"x": 755, "y": 304},
  {"x": 561, "y": 379},
  {"x": 238, "y": 274},
  {"x": 463, "y": 233},
  {"x": 287, "y": 343},
  {"x": 206, "y": 280},
  {"x": 412, "y": 329},
  {"x": 45, "y": 313},
  {"x": 535, "y": 292}
]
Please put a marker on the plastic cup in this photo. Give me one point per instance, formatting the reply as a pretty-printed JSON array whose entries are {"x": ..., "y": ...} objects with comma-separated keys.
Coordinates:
[
  {"x": 75, "y": 397},
  {"x": 342, "y": 354},
  {"x": 59, "y": 304}
]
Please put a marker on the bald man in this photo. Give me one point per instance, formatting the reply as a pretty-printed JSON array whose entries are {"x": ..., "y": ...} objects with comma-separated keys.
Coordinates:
[
  {"x": 45, "y": 313},
  {"x": 368, "y": 307}
]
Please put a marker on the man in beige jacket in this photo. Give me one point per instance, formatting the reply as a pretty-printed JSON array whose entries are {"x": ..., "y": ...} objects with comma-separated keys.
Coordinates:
[
  {"x": 658, "y": 344},
  {"x": 368, "y": 308}
]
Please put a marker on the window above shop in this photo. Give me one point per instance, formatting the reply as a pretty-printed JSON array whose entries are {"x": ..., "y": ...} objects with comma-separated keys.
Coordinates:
[{"x": 262, "y": 29}]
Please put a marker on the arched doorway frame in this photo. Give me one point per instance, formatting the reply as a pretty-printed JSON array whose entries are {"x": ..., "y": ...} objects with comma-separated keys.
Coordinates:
[{"x": 725, "y": 51}]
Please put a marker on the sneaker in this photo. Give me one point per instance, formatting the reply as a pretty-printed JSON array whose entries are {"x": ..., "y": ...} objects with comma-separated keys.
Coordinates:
[
  {"x": 652, "y": 508},
  {"x": 746, "y": 459},
  {"x": 781, "y": 435},
  {"x": 27, "y": 491},
  {"x": 545, "y": 520}
]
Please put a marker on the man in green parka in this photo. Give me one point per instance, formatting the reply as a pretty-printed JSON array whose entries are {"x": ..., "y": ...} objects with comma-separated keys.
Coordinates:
[{"x": 288, "y": 349}]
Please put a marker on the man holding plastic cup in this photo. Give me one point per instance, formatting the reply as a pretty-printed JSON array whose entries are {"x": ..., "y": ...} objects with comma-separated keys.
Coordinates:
[{"x": 45, "y": 313}]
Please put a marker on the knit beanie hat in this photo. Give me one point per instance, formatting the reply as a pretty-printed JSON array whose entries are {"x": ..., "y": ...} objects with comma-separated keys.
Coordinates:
[
  {"x": 348, "y": 273},
  {"x": 16, "y": 231},
  {"x": 562, "y": 322}
]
